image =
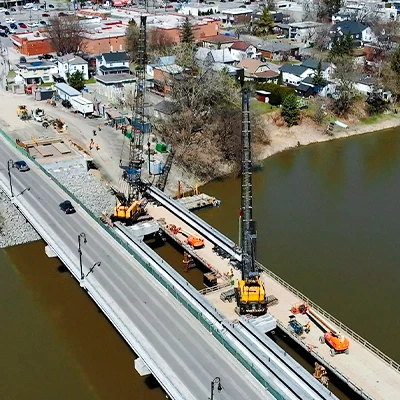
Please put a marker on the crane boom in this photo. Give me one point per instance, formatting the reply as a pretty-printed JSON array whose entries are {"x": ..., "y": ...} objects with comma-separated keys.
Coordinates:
[
  {"x": 248, "y": 226},
  {"x": 133, "y": 172}
]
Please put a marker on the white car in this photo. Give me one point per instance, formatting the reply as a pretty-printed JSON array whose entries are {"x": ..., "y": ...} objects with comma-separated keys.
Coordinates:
[
  {"x": 10, "y": 21},
  {"x": 12, "y": 31},
  {"x": 35, "y": 9},
  {"x": 32, "y": 25},
  {"x": 2, "y": 9},
  {"x": 27, "y": 6}
]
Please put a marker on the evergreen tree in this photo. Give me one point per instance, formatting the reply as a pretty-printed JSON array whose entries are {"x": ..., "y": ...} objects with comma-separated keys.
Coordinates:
[
  {"x": 280, "y": 79},
  {"x": 347, "y": 44},
  {"x": 187, "y": 35},
  {"x": 76, "y": 80},
  {"x": 318, "y": 79},
  {"x": 265, "y": 24},
  {"x": 290, "y": 110}
]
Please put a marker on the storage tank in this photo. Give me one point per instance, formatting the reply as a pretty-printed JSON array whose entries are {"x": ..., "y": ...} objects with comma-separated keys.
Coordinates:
[{"x": 156, "y": 167}]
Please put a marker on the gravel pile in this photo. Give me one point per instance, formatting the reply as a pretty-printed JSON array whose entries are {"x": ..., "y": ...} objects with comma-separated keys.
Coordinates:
[
  {"x": 88, "y": 189},
  {"x": 14, "y": 228}
]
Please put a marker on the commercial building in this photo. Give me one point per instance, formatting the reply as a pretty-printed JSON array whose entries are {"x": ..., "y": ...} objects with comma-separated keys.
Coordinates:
[
  {"x": 112, "y": 86},
  {"x": 31, "y": 44}
]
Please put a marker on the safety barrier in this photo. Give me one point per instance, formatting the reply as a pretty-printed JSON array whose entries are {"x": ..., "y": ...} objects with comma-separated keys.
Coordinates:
[
  {"x": 177, "y": 295},
  {"x": 356, "y": 337},
  {"x": 214, "y": 288}
]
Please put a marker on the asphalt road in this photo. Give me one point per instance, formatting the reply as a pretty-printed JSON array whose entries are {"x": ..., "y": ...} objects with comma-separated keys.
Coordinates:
[{"x": 188, "y": 350}]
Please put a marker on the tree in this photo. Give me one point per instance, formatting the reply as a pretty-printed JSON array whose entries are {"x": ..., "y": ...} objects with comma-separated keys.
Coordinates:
[
  {"x": 66, "y": 34},
  {"x": 318, "y": 79},
  {"x": 76, "y": 80},
  {"x": 132, "y": 39},
  {"x": 290, "y": 110},
  {"x": 375, "y": 103},
  {"x": 280, "y": 79},
  {"x": 345, "y": 94},
  {"x": 342, "y": 46},
  {"x": 326, "y": 8},
  {"x": 265, "y": 24},
  {"x": 322, "y": 37},
  {"x": 158, "y": 42},
  {"x": 395, "y": 62},
  {"x": 187, "y": 35}
]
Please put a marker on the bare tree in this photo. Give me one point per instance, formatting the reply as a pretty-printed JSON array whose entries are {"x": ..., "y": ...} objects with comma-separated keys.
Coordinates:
[
  {"x": 66, "y": 34},
  {"x": 322, "y": 37},
  {"x": 132, "y": 40},
  {"x": 159, "y": 42}
]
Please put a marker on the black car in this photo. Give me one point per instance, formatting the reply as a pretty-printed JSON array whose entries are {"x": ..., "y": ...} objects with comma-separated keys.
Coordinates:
[
  {"x": 6, "y": 29},
  {"x": 7, "y": 13},
  {"x": 3, "y": 33},
  {"x": 21, "y": 166},
  {"x": 67, "y": 207},
  {"x": 50, "y": 6},
  {"x": 13, "y": 9}
]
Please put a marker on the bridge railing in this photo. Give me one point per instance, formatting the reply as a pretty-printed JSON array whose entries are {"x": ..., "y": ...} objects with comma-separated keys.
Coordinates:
[
  {"x": 214, "y": 288},
  {"x": 197, "y": 314},
  {"x": 356, "y": 337}
]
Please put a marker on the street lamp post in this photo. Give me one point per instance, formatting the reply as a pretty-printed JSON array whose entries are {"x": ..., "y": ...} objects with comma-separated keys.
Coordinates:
[
  {"x": 97, "y": 264},
  {"x": 10, "y": 164},
  {"x": 81, "y": 236},
  {"x": 215, "y": 381}
]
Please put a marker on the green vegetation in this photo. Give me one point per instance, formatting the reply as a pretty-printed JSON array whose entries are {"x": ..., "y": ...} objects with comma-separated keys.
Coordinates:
[
  {"x": 341, "y": 46},
  {"x": 278, "y": 93},
  {"x": 76, "y": 81},
  {"x": 91, "y": 80},
  {"x": 318, "y": 79},
  {"x": 46, "y": 84},
  {"x": 265, "y": 24},
  {"x": 290, "y": 110},
  {"x": 187, "y": 32},
  {"x": 259, "y": 108},
  {"x": 11, "y": 74}
]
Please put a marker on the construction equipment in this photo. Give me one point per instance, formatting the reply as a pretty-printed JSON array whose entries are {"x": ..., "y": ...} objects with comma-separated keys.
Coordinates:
[
  {"x": 320, "y": 374},
  {"x": 22, "y": 112},
  {"x": 38, "y": 114},
  {"x": 132, "y": 171},
  {"x": 250, "y": 292},
  {"x": 127, "y": 211},
  {"x": 193, "y": 241},
  {"x": 337, "y": 342},
  {"x": 295, "y": 326}
]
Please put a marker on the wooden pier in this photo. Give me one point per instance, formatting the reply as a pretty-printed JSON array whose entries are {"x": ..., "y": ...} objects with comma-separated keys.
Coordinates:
[{"x": 366, "y": 370}]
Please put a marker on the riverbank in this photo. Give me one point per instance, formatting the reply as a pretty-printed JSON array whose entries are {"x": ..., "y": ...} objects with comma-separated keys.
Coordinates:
[{"x": 284, "y": 138}]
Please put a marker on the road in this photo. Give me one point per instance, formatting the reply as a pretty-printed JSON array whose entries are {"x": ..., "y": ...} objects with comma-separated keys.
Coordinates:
[{"x": 192, "y": 356}]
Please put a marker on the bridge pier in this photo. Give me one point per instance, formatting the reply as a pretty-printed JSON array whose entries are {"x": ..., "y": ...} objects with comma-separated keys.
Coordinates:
[{"x": 141, "y": 367}]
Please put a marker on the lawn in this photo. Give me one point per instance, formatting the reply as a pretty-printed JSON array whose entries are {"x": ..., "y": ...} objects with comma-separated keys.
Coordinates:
[
  {"x": 91, "y": 80},
  {"x": 260, "y": 108}
]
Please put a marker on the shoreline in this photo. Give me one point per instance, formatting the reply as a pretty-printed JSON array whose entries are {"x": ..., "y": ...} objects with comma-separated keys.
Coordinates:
[{"x": 308, "y": 132}]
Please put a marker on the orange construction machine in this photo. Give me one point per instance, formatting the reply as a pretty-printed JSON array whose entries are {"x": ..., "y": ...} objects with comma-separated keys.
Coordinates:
[
  {"x": 195, "y": 242},
  {"x": 337, "y": 342}
]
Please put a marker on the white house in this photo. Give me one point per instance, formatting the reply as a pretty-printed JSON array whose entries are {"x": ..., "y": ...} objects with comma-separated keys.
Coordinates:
[
  {"x": 71, "y": 63},
  {"x": 294, "y": 74},
  {"x": 257, "y": 70},
  {"x": 359, "y": 32},
  {"x": 241, "y": 50},
  {"x": 304, "y": 32},
  {"x": 325, "y": 90},
  {"x": 115, "y": 62},
  {"x": 112, "y": 86},
  {"x": 365, "y": 85},
  {"x": 35, "y": 72}
]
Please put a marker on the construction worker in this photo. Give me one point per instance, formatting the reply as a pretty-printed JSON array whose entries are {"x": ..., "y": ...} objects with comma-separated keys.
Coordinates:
[
  {"x": 307, "y": 327},
  {"x": 91, "y": 144},
  {"x": 94, "y": 132},
  {"x": 97, "y": 147}
]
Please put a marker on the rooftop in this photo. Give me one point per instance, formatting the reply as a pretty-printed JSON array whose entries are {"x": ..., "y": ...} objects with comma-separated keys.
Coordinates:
[
  {"x": 35, "y": 65},
  {"x": 217, "y": 39},
  {"x": 115, "y": 78},
  {"x": 237, "y": 11},
  {"x": 240, "y": 45},
  {"x": 172, "y": 69},
  {"x": 313, "y": 64},
  {"x": 71, "y": 59},
  {"x": 293, "y": 69},
  {"x": 115, "y": 56},
  {"x": 276, "y": 46},
  {"x": 305, "y": 24},
  {"x": 346, "y": 27},
  {"x": 70, "y": 91},
  {"x": 251, "y": 65}
]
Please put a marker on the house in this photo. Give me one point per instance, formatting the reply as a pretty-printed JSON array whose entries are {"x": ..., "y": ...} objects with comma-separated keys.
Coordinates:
[
  {"x": 304, "y": 32},
  {"x": 71, "y": 63},
  {"x": 112, "y": 86},
  {"x": 164, "y": 74},
  {"x": 114, "y": 62},
  {"x": 342, "y": 16},
  {"x": 294, "y": 74},
  {"x": 208, "y": 57},
  {"x": 365, "y": 85},
  {"x": 164, "y": 109},
  {"x": 325, "y": 90},
  {"x": 256, "y": 70},
  {"x": 36, "y": 72},
  {"x": 277, "y": 50},
  {"x": 326, "y": 67},
  {"x": 304, "y": 90},
  {"x": 218, "y": 42},
  {"x": 240, "y": 50},
  {"x": 359, "y": 32},
  {"x": 161, "y": 61},
  {"x": 237, "y": 16}
]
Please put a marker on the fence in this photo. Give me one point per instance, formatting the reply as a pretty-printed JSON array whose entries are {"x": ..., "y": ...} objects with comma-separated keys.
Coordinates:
[
  {"x": 393, "y": 364},
  {"x": 209, "y": 325},
  {"x": 214, "y": 288}
]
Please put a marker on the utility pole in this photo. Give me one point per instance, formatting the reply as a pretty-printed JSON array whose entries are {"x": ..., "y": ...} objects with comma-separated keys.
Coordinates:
[
  {"x": 10, "y": 164},
  {"x": 248, "y": 226},
  {"x": 81, "y": 236}
]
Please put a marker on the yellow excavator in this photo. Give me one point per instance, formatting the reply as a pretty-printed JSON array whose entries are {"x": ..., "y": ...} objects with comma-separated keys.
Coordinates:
[
  {"x": 126, "y": 211},
  {"x": 250, "y": 291}
]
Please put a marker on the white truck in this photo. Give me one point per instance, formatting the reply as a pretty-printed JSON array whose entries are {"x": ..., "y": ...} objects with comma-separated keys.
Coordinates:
[
  {"x": 38, "y": 114},
  {"x": 82, "y": 105}
]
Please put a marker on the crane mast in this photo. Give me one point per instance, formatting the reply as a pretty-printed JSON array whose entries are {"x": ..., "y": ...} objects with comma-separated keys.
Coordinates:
[
  {"x": 248, "y": 226},
  {"x": 133, "y": 172}
]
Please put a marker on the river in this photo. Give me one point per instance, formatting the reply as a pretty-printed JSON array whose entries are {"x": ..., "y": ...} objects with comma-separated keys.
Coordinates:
[{"x": 327, "y": 223}]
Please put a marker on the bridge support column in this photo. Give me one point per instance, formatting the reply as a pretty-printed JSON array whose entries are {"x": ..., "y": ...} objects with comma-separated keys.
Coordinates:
[{"x": 141, "y": 367}]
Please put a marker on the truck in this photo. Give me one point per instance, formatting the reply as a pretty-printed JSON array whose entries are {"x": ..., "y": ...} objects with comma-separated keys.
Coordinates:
[{"x": 38, "y": 114}]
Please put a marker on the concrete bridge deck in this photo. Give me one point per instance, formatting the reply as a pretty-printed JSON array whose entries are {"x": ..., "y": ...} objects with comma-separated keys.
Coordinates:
[{"x": 368, "y": 371}]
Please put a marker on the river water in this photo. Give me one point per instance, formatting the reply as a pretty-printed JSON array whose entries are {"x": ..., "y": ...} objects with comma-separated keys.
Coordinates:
[{"x": 327, "y": 223}]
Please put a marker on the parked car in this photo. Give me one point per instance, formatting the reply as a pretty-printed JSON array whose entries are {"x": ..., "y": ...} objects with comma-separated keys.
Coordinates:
[
  {"x": 50, "y": 6},
  {"x": 34, "y": 8},
  {"x": 22, "y": 25},
  {"x": 13, "y": 26},
  {"x": 21, "y": 166},
  {"x": 7, "y": 13},
  {"x": 62, "y": 14},
  {"x": 22, "y": 60},
  {"x": 10, "y": 21},
  {"x": 5, "y": 28},
  {"x": 41, "y": 7},
  {"x": 45, "y": 57},
  {"x": 13, "y": 9},
  {"x": 45, "y": 15},
  {"x": 3, "y": 33},
  {"x": 2, "y": 9},
  {"x": 33, "y": 25},
  {"x": 67, "y": 207},
  {"x": 28, "y": 6},
  {"x": 43, "y": 23}
]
